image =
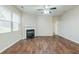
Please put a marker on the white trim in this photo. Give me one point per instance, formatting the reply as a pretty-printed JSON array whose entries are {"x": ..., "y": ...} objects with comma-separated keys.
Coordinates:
[
  {"x": 9, "y": 46},
  {"x": 68, "y": 38}
]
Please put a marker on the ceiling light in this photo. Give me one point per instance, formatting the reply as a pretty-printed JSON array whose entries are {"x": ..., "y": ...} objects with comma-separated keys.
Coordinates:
[{"x": 46, "y": 11}]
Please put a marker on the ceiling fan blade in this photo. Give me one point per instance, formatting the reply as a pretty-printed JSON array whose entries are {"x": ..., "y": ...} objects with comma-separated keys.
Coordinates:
[{"x": 52, "y": 8}]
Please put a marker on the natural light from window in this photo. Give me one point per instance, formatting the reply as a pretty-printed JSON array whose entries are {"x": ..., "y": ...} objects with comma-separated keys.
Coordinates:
[{"x": 9, "y": 21}]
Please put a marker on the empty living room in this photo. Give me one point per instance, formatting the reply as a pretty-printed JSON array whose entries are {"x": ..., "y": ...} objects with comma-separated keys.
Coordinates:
[{"x": 39, "y": 29}]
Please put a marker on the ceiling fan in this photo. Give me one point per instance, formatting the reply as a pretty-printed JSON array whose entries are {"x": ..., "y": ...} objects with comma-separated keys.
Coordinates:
[{"x": 46, "y": 10}]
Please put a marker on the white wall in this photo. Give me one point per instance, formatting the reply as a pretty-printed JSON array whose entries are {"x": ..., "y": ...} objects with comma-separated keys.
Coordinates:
[
  {"x": 43, "y": 25},
  {"x": 8, "y": 39},
  {"x": 68, "y": 26}
]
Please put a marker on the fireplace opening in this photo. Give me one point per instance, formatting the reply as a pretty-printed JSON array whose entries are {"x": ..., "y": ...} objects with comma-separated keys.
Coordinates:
[{"x": 30, "y": 33}]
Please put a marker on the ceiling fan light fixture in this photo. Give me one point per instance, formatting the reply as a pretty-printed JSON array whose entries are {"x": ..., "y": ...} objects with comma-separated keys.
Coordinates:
[{"x": 46, "y": 11}]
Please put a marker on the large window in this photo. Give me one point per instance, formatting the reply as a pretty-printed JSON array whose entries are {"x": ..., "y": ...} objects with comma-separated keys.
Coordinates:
[
  {"x": 9, "y": 21},
  {"x": 5, "y": 26},
  {"x": 5, "y": 20},
  {"x": 16, "y": 21}
]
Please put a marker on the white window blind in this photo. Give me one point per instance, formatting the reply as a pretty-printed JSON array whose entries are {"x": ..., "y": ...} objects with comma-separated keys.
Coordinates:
[
  {"x": 5, "y": 20},
  {"x": 9, "y": 21},
  {"x": 16, "y": 21}
]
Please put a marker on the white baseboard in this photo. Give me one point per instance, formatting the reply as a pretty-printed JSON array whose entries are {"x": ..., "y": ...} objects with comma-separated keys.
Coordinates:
[
  {"x": 9, "y": 46},
  {"x": 68, "y": 38}
]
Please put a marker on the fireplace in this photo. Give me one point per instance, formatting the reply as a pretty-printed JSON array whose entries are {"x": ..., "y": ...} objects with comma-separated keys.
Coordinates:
[{"x": 30, "y": 33}]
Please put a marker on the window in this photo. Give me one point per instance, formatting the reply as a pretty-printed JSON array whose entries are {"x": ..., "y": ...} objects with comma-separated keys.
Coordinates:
[
  {"x": 5, "y": 26},
  {"x": 5, "y": 20},
  {"x": 9, "y": 21},
  {"x": 16, "y": 21}
]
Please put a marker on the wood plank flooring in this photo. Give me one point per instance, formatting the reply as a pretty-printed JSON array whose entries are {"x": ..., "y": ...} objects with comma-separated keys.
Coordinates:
[{"x": 44, "y": 45}]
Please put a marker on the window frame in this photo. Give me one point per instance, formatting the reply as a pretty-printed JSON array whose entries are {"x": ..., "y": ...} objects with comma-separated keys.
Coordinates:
[{"x": 11, "y": 22}]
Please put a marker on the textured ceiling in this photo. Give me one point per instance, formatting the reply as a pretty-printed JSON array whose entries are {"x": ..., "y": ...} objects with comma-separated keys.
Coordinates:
[{"x": 33, "y": 9}]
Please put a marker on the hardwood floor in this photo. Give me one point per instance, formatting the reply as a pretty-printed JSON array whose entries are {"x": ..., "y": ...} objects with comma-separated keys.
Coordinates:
[{"x": 44, "y": 45}]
